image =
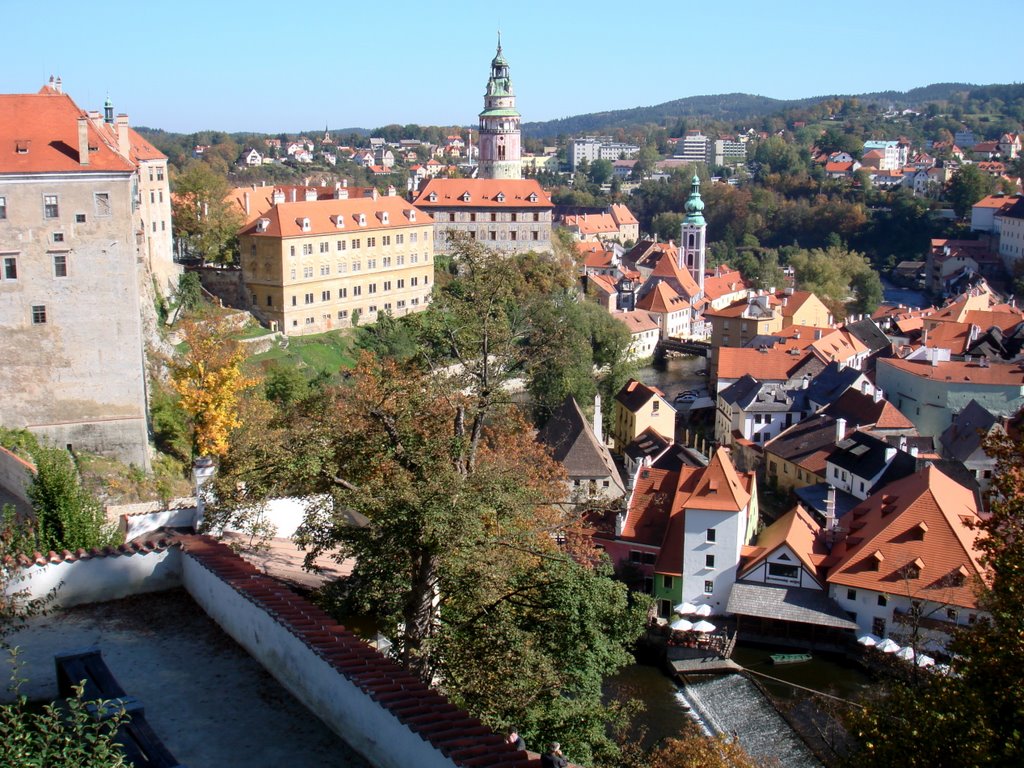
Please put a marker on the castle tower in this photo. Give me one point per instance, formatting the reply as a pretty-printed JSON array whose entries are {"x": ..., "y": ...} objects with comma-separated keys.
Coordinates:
[
  {"x": 691, "y": 242},
  {"x": 499, "y": 126}
]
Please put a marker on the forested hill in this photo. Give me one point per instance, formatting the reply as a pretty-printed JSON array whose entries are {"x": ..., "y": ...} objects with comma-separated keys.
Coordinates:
[{"x": 728, "y": 107}]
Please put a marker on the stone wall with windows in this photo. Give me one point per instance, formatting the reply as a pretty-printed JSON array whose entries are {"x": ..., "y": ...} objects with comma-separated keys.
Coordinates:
[{"x": 72, "y": 362}]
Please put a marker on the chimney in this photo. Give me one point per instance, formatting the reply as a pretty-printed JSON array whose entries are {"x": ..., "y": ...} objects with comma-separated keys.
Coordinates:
[
  {"x": 245, "y": 198},
  {"x": 840, "y": 429},
  {"x": 597, "y": 418},
  {"x": 83, "y": 139},
  {"x": 294, "y": 194},
  {"x": 830, "y": 508},
  {"x": 58, "y": 86},
  {"x": 124, "y": 145}
]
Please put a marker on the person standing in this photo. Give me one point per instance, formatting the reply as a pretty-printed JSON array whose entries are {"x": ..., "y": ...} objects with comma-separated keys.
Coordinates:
[
  {"x": 553, "y": 758},
  {"x": 515, "y": 739}
]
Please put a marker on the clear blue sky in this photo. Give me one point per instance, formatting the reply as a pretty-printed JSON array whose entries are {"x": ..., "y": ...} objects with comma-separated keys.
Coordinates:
[{"x": 271, "y": 67}]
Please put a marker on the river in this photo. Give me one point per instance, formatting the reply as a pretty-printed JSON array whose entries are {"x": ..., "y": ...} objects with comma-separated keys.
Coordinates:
[{"x": 727, "y": 704}]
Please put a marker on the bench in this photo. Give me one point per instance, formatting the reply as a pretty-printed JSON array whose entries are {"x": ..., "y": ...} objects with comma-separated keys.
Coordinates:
[{"x": 86, "y": 667}]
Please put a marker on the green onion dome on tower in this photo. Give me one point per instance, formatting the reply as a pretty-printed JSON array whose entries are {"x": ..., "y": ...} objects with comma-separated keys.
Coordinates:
[{"x": 694, "y": 205}]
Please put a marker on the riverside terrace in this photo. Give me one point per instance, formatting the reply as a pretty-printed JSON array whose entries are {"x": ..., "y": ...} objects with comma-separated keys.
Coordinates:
[{"x": 390, "y": 718}]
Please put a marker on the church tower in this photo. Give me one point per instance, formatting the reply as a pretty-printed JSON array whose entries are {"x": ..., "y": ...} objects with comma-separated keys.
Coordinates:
[
  {"x": 499, "y": 126},
  {"x": 691, "y": 242}
]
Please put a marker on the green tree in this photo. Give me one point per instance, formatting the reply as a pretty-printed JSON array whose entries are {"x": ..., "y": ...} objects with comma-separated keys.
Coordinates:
[
  {"x": 968, "y": 185},
  {"x": 600, "y": 172},
  {"x": 667, "y": 225},
  {"x": 67, "y": 516},
  {"x": 203, "y": 219}
]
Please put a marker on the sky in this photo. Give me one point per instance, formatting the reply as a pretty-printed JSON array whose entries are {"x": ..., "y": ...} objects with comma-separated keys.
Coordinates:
[{"x": 270, "y": 67}]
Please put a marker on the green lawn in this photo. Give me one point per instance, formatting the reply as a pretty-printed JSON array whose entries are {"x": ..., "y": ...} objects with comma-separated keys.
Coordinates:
[{"x": 328, "y": 353}]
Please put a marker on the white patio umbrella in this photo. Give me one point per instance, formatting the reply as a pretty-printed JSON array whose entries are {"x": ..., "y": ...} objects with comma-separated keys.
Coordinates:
[
  {"x": 888, "y": 646},
  {"x": 907, "y": 654},
  {"x": 685, "y": 609},
  {"x": 925, "y": 661},
  {"x": 703, "y": 626},
  {"x": 703, "y": 610},
  {"x": 869, "y": 641},
  {"x": 681, "y": 625}
]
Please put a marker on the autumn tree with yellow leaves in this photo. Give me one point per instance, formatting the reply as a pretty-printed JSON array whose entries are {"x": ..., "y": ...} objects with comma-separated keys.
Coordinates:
[{"x": 208, "y": 378}]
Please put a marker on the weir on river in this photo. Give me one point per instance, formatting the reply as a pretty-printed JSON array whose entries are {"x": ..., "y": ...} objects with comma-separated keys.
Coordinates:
[{"x": 733, "y": 706}]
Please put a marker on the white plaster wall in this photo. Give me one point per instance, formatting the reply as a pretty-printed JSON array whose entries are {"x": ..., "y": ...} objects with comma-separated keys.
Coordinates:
[
  {"x": 137, "y": 525},
  {"x": 729, "y": 529},
  {"x": 367, "y": 726},
  {"x": 99, "y": 579}
]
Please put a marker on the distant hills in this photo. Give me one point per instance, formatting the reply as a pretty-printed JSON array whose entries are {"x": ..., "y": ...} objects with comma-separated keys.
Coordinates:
[{"x": 729, "y": 107}]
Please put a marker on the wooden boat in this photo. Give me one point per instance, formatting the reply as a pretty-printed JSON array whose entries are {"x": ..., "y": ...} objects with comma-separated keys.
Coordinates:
[{"x": 789, "y": 658}]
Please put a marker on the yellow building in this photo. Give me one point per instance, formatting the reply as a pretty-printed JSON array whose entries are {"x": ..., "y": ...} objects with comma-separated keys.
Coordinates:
[
  {"x": 639, "y": 407},
  {"x": 316, "y": 265}
]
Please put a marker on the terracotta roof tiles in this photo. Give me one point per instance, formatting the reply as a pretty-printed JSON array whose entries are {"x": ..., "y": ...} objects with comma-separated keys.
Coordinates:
[{"x": 39, "y": 134}]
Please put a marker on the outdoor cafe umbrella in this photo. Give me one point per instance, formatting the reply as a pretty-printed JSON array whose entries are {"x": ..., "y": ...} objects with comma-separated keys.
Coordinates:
[
  {"x": 685, "y": 609},
  {"x": 907, "y": 654},
  {"x": 703, "y": 610},
  {"x": 680, "y": 625},
  {"x": 869, "y": 641},
  {"x": 925, "y": 661},
  {"x": 888, "y": 646},
  {"x": 703, "y": 626}
]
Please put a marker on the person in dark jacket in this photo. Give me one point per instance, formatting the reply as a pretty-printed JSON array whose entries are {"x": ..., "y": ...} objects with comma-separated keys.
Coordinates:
[
  {"x": 515, "y": 739},
  {"x": 553, "y": 758}
]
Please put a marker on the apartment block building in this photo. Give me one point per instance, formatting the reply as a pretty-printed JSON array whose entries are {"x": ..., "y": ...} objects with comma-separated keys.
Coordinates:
[
  {"x": 509, "y": 215},
  {"x": 313, "y": 266},
  {"x": 591, "y": 148}
]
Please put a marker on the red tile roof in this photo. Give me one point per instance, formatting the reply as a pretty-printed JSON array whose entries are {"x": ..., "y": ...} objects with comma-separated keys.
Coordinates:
[
  {"x": 923, "y": 519},
  {"x": 286, "y": 219},
  {"x": 796, "y": 529},
  {"x": 45, "y": 125},
  {"x": 422, "y": 709},
  {"x": 662, "y": 299},
  {"x": 773, "y": 365},
  {"x": 995, "y": 374},
  {"x": 637, "y": 321},
  {"x": 483, "y": 193}
]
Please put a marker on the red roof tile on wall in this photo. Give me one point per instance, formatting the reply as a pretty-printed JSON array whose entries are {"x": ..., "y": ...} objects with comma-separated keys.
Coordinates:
[{"x": 464, "y": 739}]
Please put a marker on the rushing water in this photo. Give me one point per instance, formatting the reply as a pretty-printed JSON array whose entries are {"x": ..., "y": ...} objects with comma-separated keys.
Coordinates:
[
  {"x": 733, "y": 705},
  {"x": 726, "y": 704}
]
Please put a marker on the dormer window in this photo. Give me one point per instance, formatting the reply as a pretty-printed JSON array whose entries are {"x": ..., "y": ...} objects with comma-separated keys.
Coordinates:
[
  {"x": 383, "y": 216},
  {"x": 304, "y": 224},
  {"x": 877, "y": 558},
  {"x": 432, "y": 197},
  {"x": 533, "y": 197},
  {"x": 21, "y": 146},
  {"x": 500, "y": 197},
  {"x": 465, "y": 197},
  {"x": 361, "y": 219},
  {"x": 920, "y": 530},
  {"x": 411, "y": 214},
  {"x": 912, "y": 570},
  {"x": 262, "y": 224},
  {"x": 339, "y": 221}
]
